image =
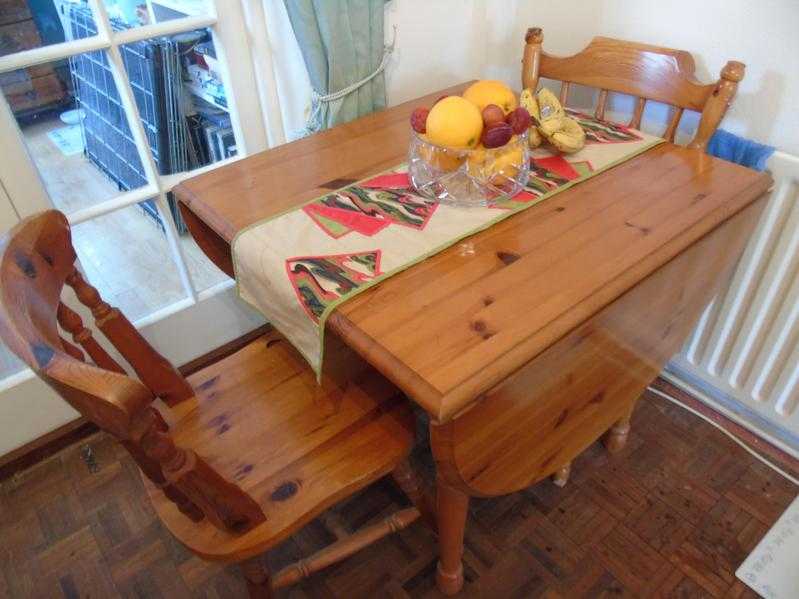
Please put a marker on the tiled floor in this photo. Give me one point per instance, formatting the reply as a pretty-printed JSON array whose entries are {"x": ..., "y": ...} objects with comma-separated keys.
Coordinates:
[{"x": 673, "y": 515}]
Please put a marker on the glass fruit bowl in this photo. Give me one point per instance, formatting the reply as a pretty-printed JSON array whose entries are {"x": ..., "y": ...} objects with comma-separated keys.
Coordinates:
[{"x": 468, "y": 178}]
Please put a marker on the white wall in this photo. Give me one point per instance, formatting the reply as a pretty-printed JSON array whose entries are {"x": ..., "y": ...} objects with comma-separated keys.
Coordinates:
[
  {"x": 435, "y": 46},
  {"x": 764, "y": 34},
  {"x": 443, "y": 42}
]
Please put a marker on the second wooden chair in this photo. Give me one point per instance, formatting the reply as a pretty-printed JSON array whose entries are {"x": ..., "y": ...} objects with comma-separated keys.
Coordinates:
[{"x": 643, "y": 71}]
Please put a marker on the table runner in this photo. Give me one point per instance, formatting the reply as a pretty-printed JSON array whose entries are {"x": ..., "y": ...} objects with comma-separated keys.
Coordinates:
[{"x": 296, "y": 267}]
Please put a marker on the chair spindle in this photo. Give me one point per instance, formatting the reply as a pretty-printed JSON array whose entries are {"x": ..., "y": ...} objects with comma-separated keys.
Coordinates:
[
  {"x": 674, "y": 122},
  {"x": 151, "y": 367},
  {"x": 638, "y": 113},
  {"x": 564, "y": 92},
  {"x": 72, "y": 323},
  {"x": 343, "y": 548},
  {"x": 601, "y": 103},
  {"x": 72, "y": 350},
  {"x": 152, "y": 470}
]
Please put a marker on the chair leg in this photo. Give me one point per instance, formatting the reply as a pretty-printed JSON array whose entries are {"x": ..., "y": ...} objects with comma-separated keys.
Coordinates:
[
  {"x": 412, "y": 485},
  {"x": 452, "y": 508},
  {"x": 561, "y": 475},
  {"x": 259, "y": 584}
]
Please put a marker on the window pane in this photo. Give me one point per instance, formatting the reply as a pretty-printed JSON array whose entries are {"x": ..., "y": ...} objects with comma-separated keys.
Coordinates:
[
  {"x": 76, "y": 130},
  {"x": 203, "y": 272},
  {"x": 9, "y": 363},
  {"x": 126, "y": 255},
  {"x": 28, "y": 24},
  {"x": 134, "y": 13},
  {"x": 181, "y": 100}
]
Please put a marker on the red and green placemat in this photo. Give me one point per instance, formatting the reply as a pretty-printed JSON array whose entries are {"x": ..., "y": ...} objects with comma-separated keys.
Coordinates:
[{"x": 298, "y": 266}]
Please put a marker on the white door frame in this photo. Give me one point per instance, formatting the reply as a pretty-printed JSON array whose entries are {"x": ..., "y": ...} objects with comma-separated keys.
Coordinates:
[{"x": 202, "y": 320}]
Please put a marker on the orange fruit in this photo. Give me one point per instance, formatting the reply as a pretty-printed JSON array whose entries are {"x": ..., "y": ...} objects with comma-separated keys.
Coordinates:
[
  {"x": 441, "y": 158},
  {"x": 454, "y": 123},
  {"x": 507, "y": 163},
  {"x": 489, "y": 91},
  {"x": 476, "y": 161}
]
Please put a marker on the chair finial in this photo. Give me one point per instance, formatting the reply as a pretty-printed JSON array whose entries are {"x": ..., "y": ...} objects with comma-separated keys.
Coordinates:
[
  {"x": 733, "y": 71},
  {"x": 534, "y": 35}
]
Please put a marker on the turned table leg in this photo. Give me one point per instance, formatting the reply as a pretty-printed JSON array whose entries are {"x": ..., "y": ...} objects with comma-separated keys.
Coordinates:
[
  {"x": 256, "y": 573},
  {"x": 561, "y": 475},
  {"x": 616, "y": 437},
  {"x": 452, "y": 507}
]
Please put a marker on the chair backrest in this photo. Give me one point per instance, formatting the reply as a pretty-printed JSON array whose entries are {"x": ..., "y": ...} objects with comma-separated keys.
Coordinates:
[
  {"x": 37, "y": 260},
  {"x": 640, "y": 70}
]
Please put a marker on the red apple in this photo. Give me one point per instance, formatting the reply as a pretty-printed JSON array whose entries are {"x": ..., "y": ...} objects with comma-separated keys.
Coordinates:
[{"x": 419, "y": 120}]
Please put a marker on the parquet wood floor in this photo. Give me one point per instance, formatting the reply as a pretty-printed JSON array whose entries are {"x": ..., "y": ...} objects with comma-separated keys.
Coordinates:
[{"x": 673, "y": 515}]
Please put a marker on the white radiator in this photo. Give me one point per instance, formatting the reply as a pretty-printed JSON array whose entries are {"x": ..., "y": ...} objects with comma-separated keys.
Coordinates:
[{"x": 743, "y": 355}]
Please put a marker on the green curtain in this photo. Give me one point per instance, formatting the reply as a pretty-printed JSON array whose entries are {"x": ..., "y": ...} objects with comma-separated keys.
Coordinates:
[{"x": 342, "y": 43}]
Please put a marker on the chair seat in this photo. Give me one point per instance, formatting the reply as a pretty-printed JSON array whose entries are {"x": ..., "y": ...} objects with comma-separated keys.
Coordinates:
[{"x": 261, "y": 420}]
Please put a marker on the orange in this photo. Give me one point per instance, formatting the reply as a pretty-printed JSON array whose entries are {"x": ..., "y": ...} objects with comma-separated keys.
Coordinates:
[
  {"x": 454, "y": 123},
  {"x": 507, "y": 163},
  {"x": 441, "y": 158},
  {"x": 489, "y": 91},
  {"x": 477, "y": 160}
]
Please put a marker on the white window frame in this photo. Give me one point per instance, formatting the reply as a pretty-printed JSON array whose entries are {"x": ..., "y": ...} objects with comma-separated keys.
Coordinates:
[{"x": 20, "y": 176}]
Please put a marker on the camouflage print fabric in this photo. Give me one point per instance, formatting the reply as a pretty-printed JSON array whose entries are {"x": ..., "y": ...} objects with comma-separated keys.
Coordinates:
[
  {"x": 322, "y": 279},
  {"x": 370, "y": 206},
  {"x": 297, "y": 266},
  {"x": 602, "y": 132}
]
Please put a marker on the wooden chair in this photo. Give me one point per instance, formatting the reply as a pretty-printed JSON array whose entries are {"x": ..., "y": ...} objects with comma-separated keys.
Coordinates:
[
  {"x": 647, "y": 73},
  {"x": 640, "y": 70},
  {"x": 236, "y": 457}
]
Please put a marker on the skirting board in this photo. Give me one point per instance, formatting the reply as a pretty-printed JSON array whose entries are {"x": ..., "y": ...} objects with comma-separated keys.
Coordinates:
[{"x": 732, "y": 408}]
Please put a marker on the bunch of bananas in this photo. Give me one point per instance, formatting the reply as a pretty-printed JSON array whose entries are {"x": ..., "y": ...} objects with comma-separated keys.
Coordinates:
[{"x": 550, "y": 122}]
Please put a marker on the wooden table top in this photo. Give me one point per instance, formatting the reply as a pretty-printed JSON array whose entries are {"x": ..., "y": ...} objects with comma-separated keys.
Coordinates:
[{"x": 450, "y": 328}]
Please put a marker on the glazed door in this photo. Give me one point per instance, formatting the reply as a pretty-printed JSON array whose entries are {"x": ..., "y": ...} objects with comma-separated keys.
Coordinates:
[{"x": 106, "y": 106}]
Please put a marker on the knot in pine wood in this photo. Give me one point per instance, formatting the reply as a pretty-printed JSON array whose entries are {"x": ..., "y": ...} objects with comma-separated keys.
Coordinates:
[
  {"x": 25, "y": 264},
  {"x": 508, "y": 257},
  {"x": 42, "y": 354},
  {"x": 285, "y": 491},
  {"x": 479, "y": 326}
]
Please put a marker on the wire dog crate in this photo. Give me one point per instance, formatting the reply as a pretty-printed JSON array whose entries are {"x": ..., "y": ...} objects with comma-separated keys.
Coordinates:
[{"x": 155, "y": 72}]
